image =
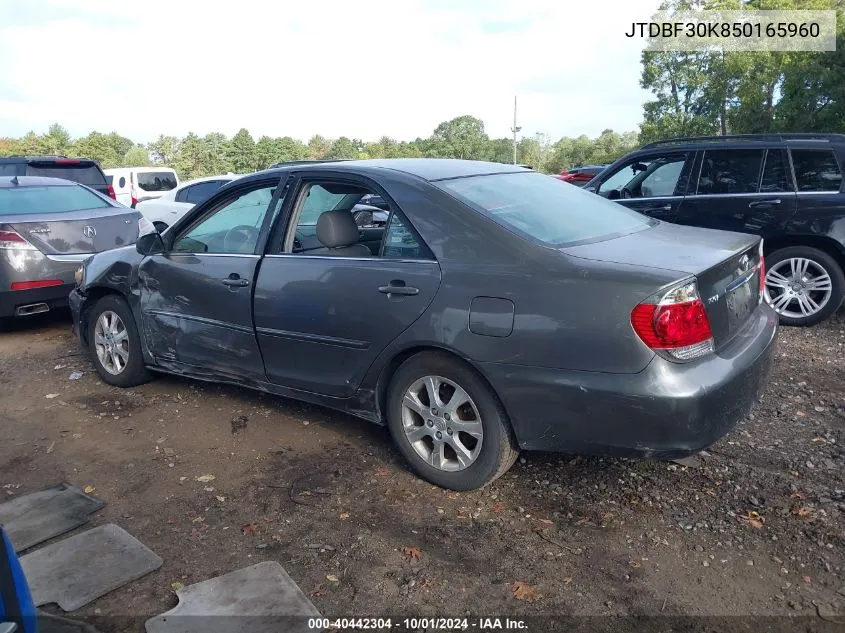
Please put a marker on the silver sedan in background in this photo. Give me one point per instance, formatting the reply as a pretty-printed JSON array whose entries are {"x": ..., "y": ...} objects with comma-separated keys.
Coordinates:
[{"x": 48, "y": 226}]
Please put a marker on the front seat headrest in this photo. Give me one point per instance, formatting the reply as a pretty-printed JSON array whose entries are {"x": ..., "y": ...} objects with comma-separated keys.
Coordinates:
[{"x": 336, "y": 229}]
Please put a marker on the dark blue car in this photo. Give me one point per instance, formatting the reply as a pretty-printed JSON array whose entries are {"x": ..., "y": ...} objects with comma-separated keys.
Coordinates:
[{"x": 17, "y": 612}]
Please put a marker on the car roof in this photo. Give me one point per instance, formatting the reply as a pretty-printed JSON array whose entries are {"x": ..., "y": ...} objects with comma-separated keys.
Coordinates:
[
  {"x": 33, "y": 181},
  {"x": 187, "y": 183},
  {"x": 116, "y": 170},
  {"x": 430, "y": 169}
]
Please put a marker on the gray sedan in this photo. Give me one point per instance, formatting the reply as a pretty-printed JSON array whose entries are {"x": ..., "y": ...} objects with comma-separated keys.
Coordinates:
[
  {"x": 48, "y": 226},
  {"x": 498, "y": 310}
]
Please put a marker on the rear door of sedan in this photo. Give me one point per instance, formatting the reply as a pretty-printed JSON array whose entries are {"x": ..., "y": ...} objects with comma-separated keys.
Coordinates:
[{"x": 322, "y": 319}]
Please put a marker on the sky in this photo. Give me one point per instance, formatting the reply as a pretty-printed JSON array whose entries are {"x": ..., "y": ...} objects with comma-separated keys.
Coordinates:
[{"x": 362, "y": 68}]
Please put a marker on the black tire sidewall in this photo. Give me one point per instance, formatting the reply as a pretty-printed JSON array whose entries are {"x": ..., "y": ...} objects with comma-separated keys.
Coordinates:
[
  {"x": 496, "y": 440},
  {"x": 135, "y": 372},
  {"x": 837, "y": 281}
]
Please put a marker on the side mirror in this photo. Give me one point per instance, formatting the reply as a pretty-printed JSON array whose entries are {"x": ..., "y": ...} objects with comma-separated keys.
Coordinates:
[
  {"x": 150, "y": 244},
  {"x": 614, "y": 194}
]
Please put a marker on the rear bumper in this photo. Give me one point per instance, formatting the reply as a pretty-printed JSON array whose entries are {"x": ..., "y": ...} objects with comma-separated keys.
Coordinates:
[
  {"x": 667, "y": 410},
  {"x": 13, "y": 300}
]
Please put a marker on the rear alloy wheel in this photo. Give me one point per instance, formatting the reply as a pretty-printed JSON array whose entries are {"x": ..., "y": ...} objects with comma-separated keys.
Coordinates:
[
  {"x": 114, "y": 343},
  {"x": 448, "y": 423},
  {"x": 803, "y": 285}
]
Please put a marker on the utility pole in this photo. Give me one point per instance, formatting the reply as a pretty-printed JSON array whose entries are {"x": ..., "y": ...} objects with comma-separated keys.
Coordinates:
[{"x": 514, "y": 129}]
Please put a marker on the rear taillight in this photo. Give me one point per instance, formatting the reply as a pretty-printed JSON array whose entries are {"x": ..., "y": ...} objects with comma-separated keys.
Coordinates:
[
  {"x": 13, "y": 241},
  {"x": 675, "y": 322},
  {"x": 112, "y": 194},
  {"x": 762, "y": 268}
]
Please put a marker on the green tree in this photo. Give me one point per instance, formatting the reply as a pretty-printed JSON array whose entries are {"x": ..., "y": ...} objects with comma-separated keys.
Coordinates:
[
  {"x": 242, "y": 154},
  {"x": 343, "y": 148},
  {"x": 164, "y": 150},
  {"x": 189, "y": 161},
  {"x": 318, "y": 147},
  {"x": 136, "y": 156},
  {"x": 216, "y": 157},
  {"x": 56, "y": 141},
  {"x": 462, "y": 137}
]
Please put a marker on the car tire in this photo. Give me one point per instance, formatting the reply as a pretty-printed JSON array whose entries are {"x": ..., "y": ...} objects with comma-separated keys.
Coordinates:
[
  {"x": 819, "y": 263},
  {"x": 117, "y": 358},
  {"x": 160, "y": 226},
  {"x": 414, "y": 433}
]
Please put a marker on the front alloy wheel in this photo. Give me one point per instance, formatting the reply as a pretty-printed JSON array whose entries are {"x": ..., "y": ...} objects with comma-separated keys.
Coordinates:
[{"x": 111, "y": 342}]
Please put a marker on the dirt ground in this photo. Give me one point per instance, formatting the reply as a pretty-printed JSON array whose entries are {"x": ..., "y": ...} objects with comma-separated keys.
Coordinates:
[{"x": 756, "y": 526}]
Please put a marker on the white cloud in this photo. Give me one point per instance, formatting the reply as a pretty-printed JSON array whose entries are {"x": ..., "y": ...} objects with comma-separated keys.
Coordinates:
[{"x": 360, "y": 69}]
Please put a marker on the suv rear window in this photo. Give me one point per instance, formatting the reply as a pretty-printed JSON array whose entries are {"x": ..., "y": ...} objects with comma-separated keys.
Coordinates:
[
  {"x": 26, "y": 200},
  {"x": 156, "y": 180},
  {"x": 816, "y": 170},
  {"x": 88, "y": 174},
  {"x": 544, "y": 208}
]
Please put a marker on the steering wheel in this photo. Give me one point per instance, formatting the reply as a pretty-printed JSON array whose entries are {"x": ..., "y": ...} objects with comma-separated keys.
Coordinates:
[{"x": 239, "y": 237}]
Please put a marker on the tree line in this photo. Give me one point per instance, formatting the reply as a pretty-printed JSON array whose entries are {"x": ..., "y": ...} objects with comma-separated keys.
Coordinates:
[
  {"x": 194, "y": 156},
  {"x": 695, "y": 93},
  {"x": 741, "y": 92}
]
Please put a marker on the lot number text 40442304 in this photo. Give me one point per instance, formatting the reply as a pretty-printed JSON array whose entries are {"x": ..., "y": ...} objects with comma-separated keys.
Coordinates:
[{"x": 416, "y": 624}]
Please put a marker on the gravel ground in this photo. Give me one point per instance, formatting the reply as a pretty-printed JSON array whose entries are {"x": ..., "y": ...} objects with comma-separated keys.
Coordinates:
[{"x": 752, "y": 527}]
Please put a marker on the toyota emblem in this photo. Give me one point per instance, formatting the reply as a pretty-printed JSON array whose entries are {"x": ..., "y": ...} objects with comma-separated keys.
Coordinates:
[{"x": 89, "y": 231}]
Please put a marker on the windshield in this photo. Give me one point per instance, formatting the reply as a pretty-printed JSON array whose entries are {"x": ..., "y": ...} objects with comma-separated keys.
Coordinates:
[
  {"x": 157, "y": 180},
  {"x": 544, "y": 208},
  {"x": 25, "y": 200}
]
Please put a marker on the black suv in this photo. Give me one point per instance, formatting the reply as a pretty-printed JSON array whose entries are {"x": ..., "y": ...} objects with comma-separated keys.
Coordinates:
[
  {"x": 787, "y": 188},
  {"x": 81, "y": 170}
]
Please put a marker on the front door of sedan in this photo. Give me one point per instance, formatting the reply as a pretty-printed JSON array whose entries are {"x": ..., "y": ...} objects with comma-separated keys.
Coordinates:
[
  {"x": 196, "y": 297},
  {"x": 654, "y": 184},
  {"x": 323, "y": 315}
]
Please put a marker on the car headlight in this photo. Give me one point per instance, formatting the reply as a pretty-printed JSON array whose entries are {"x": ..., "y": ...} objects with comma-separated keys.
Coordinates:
[{"x": 79, "y": 275}]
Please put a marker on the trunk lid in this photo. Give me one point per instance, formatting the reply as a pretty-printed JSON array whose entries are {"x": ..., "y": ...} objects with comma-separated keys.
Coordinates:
[
  {"x": 725, "y": 265},
  {"x": 74, "y": 232}
]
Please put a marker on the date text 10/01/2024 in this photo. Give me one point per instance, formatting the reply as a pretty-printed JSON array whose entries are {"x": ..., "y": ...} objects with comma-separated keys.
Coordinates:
[{"x": 415, "y": 624}]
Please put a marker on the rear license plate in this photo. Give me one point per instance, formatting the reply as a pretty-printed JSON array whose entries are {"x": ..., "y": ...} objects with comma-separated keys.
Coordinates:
[{"x": 742, "y": 297}]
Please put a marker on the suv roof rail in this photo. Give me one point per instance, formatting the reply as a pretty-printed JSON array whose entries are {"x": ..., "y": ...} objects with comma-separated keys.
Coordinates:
[{"x": 790, "y": 136}]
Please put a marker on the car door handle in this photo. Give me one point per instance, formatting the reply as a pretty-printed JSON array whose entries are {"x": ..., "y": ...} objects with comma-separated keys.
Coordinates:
[
  {"x": 398, "y": 287},
  {"x": 764, "y": 203},
  {"x": 237, "y": 282},
  {"x": 665, "y": 207}
]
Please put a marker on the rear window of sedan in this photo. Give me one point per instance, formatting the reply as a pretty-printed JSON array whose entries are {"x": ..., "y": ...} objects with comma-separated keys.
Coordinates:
[
  {"x": 546, "y": 209},
  {"x": 24, "y": 200}
]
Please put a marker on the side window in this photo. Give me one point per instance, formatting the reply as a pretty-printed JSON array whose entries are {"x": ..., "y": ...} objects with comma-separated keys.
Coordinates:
[
  {"x": 182, "y": 194},
  {"x": 649, "y": 177},
  {"x": 816, "y": 170},
  {"x": 775, "y": 174},
  {"x": 201, "y": 191},
  {"x": 729, "y": 171},
  {"x": 400, "y": 242},
  {"x": 231, "y": 229},
  {"x": 343, "y": 238}
]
